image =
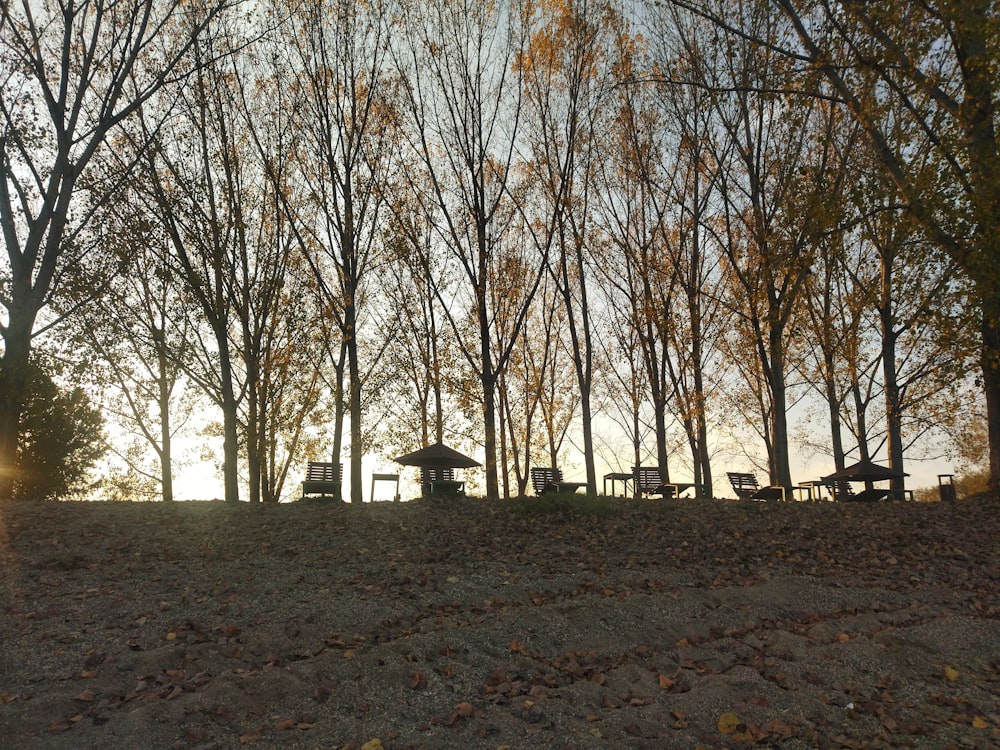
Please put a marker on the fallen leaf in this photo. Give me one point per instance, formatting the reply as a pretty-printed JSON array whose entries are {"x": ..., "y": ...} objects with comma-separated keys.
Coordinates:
[
  {"x": 950, "y": 674},
  {"x": 728, "y": 723},
  {"x": 980, "y": 723},
  {"x": 373, "y": 744}
]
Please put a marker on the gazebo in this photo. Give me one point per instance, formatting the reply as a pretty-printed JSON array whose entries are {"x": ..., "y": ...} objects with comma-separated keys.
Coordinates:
[
  {"x": 437, "y": 464},
  {"x": 863, "y": 471}
]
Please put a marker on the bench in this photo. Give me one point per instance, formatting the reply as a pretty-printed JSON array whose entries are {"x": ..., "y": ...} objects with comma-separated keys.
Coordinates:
[
  {"x": 648, "y": 481},
  {"x": 545, "y": 479},
  {"x": 676, "y": 489},
  {"x": 323, "y": 478},
  {"x": 746, "y": 487},
  {"x": 866, "y": 496},
  {"x": 439, "y": 482}
]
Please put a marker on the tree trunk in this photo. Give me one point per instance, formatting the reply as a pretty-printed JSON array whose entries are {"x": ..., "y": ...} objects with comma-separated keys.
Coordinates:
[
  {"x": 893, "y": 409},
  {"x": 253, "y": 430},
  {"x": 781, "y": 470},
  {"x": 833, "y": 407},
  {"x": 338, "y": 409},
  {"x": 166, "y": 459},
  {"x": 13, "y": 376},
  {"x": 490, "y": 428},
  {"x": 990, "y": 361},
  {"x": 354, "y": 385},
  {"x": 230, "y": 419}
]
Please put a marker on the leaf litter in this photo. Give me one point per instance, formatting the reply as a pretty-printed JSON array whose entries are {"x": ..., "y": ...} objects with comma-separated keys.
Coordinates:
[{"x": 426, "y": 625}]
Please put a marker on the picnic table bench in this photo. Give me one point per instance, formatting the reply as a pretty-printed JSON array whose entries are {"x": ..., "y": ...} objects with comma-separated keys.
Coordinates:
[{"x": 323, "y": 478}]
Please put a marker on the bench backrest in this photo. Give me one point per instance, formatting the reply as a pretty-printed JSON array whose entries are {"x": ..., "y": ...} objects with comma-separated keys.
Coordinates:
[
  {"x": 324, "y": 471},
  {"x": 647, "y": 478},
  {"x": 542, "y": 477},
  {"x": 428, "y": 474},
  {"x": 743, "y": 483}
]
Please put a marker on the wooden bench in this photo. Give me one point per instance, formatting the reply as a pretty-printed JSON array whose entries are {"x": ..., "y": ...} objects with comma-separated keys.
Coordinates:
[
  {"x": 440, "y": 482},
  {"x": 323, "y": 478},
  {"x": 676, "y": 489},
  {"x": 545, "y": 479},
  {"x": 746, "y": 487},
  {"x": 648, "y": 480}
]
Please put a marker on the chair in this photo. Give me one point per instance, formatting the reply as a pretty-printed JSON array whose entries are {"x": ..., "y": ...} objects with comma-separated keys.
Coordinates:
[
  {"x": 385, "y": 478},
  {"x": 842, "y": 491},
  {"x": 323, "y": 478},
  {"x": 550, "y": 479}
]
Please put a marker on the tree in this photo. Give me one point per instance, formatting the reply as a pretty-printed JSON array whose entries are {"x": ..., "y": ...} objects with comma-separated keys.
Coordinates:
[
  {"x": 565, "y": 71},
  {"x": 690, "y": 199},
  {"x": 69, "y": 74},
  {"x": 635, "y": 264},
  {"x": 935, "y": 63},
  {"x": 140, "y": 334},
  {"x": 62, "y": 438},
  {"x": 770, "y": 185},
  {"x": 463, "y": 100},
  {"x": 349, "y": 131}
]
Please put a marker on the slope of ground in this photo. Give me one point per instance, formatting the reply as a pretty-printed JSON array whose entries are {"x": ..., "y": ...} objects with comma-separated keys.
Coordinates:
[{"x": 513, "y": 625}]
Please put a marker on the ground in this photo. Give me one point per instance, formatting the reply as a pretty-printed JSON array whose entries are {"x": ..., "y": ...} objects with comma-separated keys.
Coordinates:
[{"x": 522, "y": 625}]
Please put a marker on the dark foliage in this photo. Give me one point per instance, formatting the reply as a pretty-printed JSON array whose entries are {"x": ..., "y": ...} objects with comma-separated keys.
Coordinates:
[{"x": 63, "y": 437}]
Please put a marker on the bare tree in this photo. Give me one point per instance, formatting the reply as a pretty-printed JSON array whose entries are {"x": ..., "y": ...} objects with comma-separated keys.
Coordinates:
[
  {"x": 462, "y": 94},
  {"x": 566, "y": 72},
  {"x": 71, "y": 72},
  {"x": 349, "y": 131},
  {"x": 934, "y": 64}
]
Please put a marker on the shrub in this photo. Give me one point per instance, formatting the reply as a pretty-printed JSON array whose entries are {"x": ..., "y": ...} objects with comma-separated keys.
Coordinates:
[{"x": 62, "y": 437}]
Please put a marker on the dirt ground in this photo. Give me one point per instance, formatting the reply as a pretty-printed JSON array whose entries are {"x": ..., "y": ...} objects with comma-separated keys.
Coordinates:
[{"x": 463, "y": 624}]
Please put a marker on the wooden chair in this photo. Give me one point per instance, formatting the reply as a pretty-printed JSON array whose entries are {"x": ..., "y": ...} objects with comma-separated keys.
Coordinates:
[
  {"x": 385, "y": 478},
  {"x": 323, "y": 478}
]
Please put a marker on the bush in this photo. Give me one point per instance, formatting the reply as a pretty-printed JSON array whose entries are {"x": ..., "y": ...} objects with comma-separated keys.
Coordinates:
[{"x": 62, "y": 438}]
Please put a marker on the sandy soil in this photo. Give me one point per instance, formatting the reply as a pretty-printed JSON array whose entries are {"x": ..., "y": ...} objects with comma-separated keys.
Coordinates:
[{"x": 684, "y": 624}]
